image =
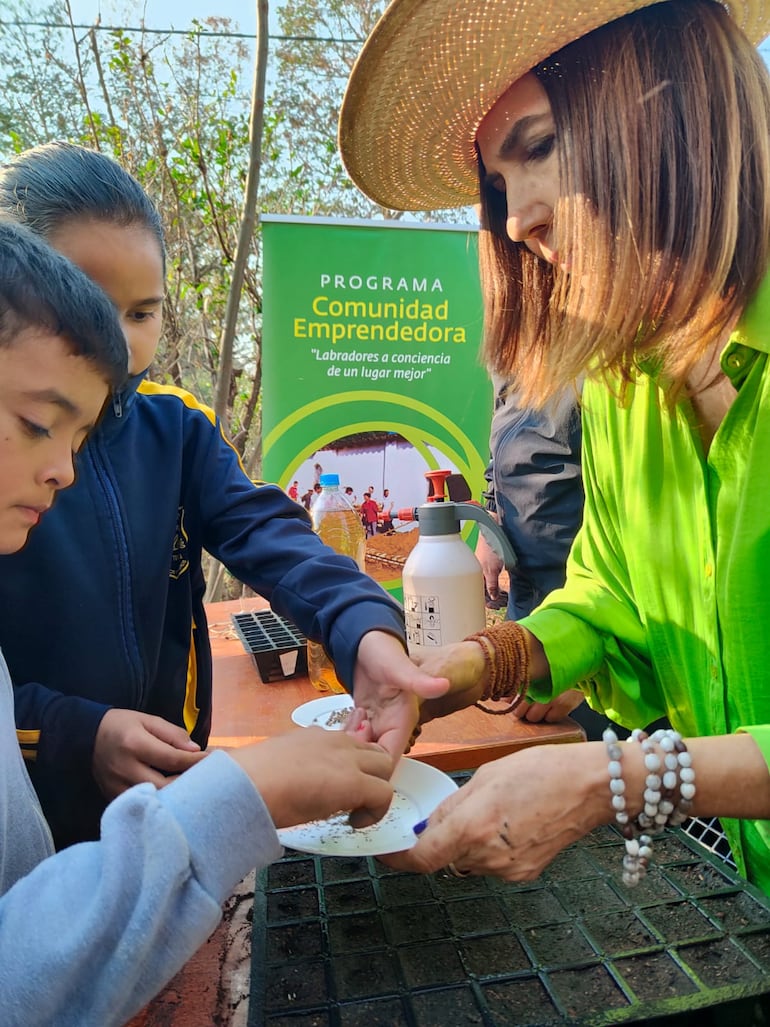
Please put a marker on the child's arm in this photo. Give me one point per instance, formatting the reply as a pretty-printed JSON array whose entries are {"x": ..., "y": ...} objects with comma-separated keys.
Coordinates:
[{"x": 92, "y": 933}]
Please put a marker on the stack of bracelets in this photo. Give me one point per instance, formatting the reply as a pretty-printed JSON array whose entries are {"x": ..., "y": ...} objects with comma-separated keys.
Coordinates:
[
  {"x": 506, "y": 655},
  {"x": 669, "y": 789}
]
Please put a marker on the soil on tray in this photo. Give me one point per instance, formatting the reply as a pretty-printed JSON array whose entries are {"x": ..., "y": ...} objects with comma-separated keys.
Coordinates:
[
  {"x": 403, "y": 891},
  {"x": 521, "y": 1002},
  {"x": 469, "y": 916},
  {"x": 292, "y": 987},
  {"x": 619, "y": 932},
  {"x": 587, "y": 990},
  {"x": 354, "y": 933},
  {"x": 308, "y": 1020},
  {"x": 372, "y": 1014},
  {"x": 558, "y": 944},
  {"x": 494, "y": 955},
  {"x": 431, "y": 965},
  {"x": 718, "y": 963},
  {"x": 697, "y": 878},
  {"x": 292, "y": 905},
  {"x": 422, "y": 922},
  {"x": 735, "y": 911},
  {"x": 359, "y": 975},
  {"x": 679, "y": 921},
  {"x": 289, "y": 873},
  {"x": 294, "y": 941},
  {"x": 530, "y": 908},
  {"x": 441, "y": 1008},
  {"x": 349, "y": 897},
  {"x": 655, "y": 976}
]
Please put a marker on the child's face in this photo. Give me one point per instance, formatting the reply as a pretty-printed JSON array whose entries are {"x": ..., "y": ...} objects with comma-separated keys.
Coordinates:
[
  {"x": 126, "y": 262},
  {"x": 49, "y": 400}
]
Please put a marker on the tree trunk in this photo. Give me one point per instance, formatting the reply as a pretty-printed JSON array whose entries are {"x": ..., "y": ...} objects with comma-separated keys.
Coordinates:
[
  {"x": 245, "y": 235},
  {"x": 249, "y": 219}
]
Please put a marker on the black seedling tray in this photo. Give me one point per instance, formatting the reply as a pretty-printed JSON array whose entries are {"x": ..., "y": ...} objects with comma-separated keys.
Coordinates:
[
  {"x": 278, "y": 648},
  {"x": 346, "y": 942}
]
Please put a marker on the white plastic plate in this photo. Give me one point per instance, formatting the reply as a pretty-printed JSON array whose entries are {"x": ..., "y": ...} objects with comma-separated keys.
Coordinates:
[
  {"x": 323, "y": 712},
  {"x": 419, "y": 788}
]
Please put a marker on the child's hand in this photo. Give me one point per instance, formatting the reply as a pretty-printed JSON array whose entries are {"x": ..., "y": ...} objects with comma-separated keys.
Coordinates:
[
  {"x": 310, "y": 774},
  {"x": 132, "y": 747},
  {"x": 389, "y": 687}
]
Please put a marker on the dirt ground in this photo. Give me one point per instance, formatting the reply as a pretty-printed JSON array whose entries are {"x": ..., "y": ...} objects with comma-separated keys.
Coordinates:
[{"x": 386, "y": 553}]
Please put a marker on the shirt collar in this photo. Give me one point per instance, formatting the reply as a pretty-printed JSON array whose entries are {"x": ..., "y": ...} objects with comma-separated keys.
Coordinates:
[{"x": 751, "y": 336}]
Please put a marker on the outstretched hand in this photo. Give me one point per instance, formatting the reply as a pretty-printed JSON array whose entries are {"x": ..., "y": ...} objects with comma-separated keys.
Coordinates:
[{"x": 389, "y": 687}]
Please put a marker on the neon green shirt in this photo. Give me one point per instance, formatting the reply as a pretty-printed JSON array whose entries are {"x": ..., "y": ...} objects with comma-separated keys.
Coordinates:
[{"x": 666, "y": 607}]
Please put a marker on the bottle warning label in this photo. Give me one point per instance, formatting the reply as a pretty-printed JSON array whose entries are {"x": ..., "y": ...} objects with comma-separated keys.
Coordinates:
[{"x": 423, "y": 620}]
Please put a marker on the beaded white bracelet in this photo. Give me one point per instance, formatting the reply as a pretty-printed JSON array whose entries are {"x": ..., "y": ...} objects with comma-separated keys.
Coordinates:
[{"x": 669, "y": 788}]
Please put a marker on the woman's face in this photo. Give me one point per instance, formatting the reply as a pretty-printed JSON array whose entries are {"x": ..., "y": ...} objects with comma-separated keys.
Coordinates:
[
  {"x": 517, "y": 143},
  {"x": 126, "y": 261}
]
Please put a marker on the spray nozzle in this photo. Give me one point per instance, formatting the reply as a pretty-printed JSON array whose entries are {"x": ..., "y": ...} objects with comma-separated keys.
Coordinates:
[{"x": 442, "y": 516}]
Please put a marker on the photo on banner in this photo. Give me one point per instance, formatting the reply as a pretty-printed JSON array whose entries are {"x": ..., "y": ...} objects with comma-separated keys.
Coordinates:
[{"x": 371, "y": 366}]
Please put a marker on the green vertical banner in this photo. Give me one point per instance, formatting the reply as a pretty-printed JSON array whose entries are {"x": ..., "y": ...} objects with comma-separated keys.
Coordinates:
[{"x": 373, "y": 327}]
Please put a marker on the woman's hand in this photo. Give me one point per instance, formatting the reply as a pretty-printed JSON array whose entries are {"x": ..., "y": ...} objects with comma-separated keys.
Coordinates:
[
  {"x": 463, "y": 665},
  {"x": 491, "y": 565},
  {"x": 310, "y": 773},
  {"x": 516, "y": 814},
  {"x": 557, "y": 709}
]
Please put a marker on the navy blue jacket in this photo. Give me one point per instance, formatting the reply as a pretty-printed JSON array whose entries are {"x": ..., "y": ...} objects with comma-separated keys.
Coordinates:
[{"x": 104, "y": 606}]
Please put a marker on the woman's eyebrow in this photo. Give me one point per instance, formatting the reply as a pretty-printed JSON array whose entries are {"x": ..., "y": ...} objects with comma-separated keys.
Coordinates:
[{"x": 518, "y": 130}]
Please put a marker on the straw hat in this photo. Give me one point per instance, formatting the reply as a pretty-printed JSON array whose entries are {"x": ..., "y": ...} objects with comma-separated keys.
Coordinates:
[{"x": 432, "y": 69}]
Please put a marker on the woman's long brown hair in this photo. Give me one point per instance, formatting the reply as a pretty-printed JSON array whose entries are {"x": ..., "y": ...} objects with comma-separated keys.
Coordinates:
[{"x": 663, "y": 133}]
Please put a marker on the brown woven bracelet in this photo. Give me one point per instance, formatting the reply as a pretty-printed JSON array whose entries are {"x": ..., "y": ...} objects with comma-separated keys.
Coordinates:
[{"x": 506, "y": 656}]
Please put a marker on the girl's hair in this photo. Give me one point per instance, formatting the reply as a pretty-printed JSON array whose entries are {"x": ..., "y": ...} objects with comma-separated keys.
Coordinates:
[
  {"x": 47, "y": 186},
  {"x": 662, "y": 125},
  {"x": 41, "y": 290}
]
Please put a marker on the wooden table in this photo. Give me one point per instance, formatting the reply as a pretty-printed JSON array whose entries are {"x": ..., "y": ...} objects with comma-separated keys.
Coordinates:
[{"x": 246, "y": 710}]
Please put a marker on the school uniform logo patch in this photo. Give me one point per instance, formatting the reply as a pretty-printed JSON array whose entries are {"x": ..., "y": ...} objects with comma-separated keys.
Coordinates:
[{"x": 179, "y": 562}]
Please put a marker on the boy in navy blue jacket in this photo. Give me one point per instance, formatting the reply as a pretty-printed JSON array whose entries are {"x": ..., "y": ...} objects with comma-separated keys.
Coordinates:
[{"x": 120, "y": 556}]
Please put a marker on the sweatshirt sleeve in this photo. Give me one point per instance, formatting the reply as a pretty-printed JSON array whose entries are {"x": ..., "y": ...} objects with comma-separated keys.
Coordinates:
[
  {"x": 93, "y": 933},
  {"x": 590, "y": 629},
  {"x": 266, "y": 540},
  {"x": 53, "y": 729}
]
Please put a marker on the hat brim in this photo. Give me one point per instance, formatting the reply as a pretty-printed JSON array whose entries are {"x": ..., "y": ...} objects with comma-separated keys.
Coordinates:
[{"x": 431, "y": 70}]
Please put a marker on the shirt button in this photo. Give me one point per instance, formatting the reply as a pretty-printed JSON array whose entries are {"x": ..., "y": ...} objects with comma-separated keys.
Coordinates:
[
  {"x": 709, "y": 570},
  {"x": 714, "y": 672},
  {"x": 734, "y": 361}
]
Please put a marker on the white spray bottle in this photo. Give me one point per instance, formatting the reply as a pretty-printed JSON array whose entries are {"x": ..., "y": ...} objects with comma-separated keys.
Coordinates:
[{"x": 442, "y": 579}]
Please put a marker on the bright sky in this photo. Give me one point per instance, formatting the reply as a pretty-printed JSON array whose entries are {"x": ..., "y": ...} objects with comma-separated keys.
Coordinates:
[
  {"x": 179, "y": 14},
  {"x": 176, "y": 14}
]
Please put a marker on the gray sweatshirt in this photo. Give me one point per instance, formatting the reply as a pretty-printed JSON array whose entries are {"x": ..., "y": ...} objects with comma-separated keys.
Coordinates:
[{"x": 90, "y": 934}]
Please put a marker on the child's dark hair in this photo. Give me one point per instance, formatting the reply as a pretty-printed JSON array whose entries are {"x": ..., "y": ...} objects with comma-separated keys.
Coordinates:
[
  {"x": 41, "y": 289},
  {"x": 47, "y": 186}
]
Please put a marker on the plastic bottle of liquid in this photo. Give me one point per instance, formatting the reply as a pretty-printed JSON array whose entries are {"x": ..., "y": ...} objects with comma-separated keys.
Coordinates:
[
  {"x": 443, "y": 581},
  {"x": 339, "y": 526}
]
